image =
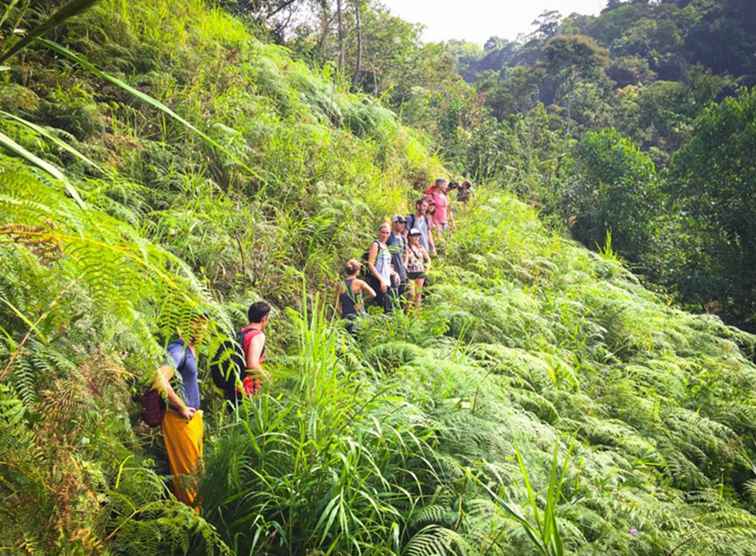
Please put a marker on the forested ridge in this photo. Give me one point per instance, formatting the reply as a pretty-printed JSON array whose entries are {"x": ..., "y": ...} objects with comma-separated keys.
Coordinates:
[
  {"x": 658, "y": 94},
  {"x": 167, "y": 157}
]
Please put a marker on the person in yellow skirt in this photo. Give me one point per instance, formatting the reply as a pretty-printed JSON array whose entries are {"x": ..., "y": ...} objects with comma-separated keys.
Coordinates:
[{"x": 182, "y": 425}]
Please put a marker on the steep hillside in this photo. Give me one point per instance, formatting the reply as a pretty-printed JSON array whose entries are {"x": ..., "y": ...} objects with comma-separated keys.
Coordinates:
[{"x": 542, "y": 402}]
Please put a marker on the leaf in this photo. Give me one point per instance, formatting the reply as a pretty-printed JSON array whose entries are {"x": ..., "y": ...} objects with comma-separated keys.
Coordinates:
[
  {"x": 531, "y": 493},
  {"x": 71, "y": 9},
  {"x": 48, "y": 167},
  {"x": 23, "y": 317},
  {"x": 60, "y": 143},
  {"x": 88, "y": 66}
]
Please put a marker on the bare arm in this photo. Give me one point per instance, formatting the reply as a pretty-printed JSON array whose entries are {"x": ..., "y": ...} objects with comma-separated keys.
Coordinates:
[
  {"x": 426, "y": 258},
  {"x": 365, "y": 288},
  {"x": 372, "y": 256},
  {"x": 254, "y": 353},
  {"x": 431, "y": 243},
  {"x": 162, "y": 383}
]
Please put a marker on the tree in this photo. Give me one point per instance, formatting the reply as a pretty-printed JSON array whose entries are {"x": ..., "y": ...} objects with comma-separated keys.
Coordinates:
[
  {"x": 277, "y": 15},
  {"x": 546, "y": 25},
  {"x": 358, "y": 32},
  {"x": 578, "y": 55},
  {"x": 340, "y": 20},
  {"x": 714, "y": 182},
  {"x": 570, "y": 58},
  {"x": 512, "y": 91},
  {"x": 614, "y": 191}
]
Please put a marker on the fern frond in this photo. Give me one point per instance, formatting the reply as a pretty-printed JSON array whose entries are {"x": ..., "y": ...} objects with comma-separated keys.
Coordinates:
[{"x": 434, "y": 540}]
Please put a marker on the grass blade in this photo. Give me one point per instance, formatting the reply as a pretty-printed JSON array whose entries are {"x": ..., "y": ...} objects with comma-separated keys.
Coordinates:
[
  {"x": 51, "y": 137},
  {"x": 71, "y": 9},
  {"x": 48, "y": 167},
  {"x": 88, "y": 66},
  {"x": 531, "y": 493}
]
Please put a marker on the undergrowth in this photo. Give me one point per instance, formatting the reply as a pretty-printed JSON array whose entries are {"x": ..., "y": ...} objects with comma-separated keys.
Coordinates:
[{"x": 542, "y": 402}]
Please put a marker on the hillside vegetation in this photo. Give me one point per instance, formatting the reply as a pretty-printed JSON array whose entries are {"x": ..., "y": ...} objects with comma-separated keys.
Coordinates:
[
  {"x": 662, "y": 94},
  {"x": 543, "y": 401}
]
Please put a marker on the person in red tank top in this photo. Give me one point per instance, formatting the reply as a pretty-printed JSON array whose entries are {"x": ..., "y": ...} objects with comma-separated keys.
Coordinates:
[{"x": 253, "y": 344}]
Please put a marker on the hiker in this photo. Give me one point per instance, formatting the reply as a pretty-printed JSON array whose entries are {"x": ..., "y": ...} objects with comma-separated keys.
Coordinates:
[
  {"x": 253, "y": 346},
  {"x": 422, "y": 222},
  {"x": 418, "y": 263},
  {"x": 397, "y": 243},
  {"x": 432, "y": 214},
  {"x": 442, "y": 217},
  {"x": 182, "y": 424},
  {"x": 464, "y": 191},
  {"x": 350, "y": 294},
  {"x": 381, "y": 271}
]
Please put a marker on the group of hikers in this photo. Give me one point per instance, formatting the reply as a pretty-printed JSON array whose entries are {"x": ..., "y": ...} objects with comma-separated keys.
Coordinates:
[
  {"x": 396, "y": 264},
  {"x": 395, "y": 274}
]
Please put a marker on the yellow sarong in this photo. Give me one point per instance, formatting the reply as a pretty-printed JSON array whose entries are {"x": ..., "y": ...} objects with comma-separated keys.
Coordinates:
[{"x": 183, "y": 442}]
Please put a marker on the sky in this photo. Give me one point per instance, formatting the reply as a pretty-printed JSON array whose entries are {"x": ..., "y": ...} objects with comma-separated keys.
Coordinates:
[{"x": 477, "y": 20}]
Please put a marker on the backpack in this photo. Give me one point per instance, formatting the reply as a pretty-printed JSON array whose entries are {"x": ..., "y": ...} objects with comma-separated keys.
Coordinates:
[
  {"x": 365, "y": 274},
  {"x": 153, "y": 404},
  {"x": 411, "y": 219},
  {"x": 227, "y": 366}
]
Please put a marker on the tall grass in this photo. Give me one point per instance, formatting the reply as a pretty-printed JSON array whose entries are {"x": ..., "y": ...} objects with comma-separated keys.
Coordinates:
[
  {"x": 416, "y": 437},
  {"x": 330, "y": 464}
]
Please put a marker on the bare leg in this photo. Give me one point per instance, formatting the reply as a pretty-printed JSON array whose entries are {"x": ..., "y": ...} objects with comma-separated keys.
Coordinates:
[{"x": 419, "y": 292}]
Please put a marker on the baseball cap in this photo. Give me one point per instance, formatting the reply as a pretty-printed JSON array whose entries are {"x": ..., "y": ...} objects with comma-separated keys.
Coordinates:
[
  {"x": 399, "y": 218},
  {"x": 415, "y": 232}
]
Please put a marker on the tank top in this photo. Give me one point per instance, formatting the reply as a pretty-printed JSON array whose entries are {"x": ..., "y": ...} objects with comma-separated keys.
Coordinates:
[
  {"x": 415, "y": 260},
  {"x": 383, "y": 262},
  {"x": 249, "y": 334},
  {"x": 441, "y": 201},
  {"x": 349, "y": 301},
  {"x": 421, "y": 223}
]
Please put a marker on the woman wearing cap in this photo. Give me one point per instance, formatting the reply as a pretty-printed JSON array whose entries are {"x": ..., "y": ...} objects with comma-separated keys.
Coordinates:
[
  {"x": 350, "y": 294},
  {"x": 418, "y": 263},
  {"x": 380, "y": 267}
]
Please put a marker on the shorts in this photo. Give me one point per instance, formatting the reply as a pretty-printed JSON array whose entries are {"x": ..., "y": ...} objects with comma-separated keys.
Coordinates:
[{"x": 415, "y": 275}]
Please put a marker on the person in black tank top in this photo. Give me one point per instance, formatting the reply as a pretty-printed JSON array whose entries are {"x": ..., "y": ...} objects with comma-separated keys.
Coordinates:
[{"x": 350, "y": 294}]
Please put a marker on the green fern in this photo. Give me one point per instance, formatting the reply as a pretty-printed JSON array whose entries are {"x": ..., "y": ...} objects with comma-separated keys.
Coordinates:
[{"x": 434, "y": 540}]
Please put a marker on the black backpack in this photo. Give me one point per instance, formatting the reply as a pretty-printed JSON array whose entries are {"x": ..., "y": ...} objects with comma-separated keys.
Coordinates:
[
  {"x": 365, "y": 271},
  {"x": 227, "y": 367}
]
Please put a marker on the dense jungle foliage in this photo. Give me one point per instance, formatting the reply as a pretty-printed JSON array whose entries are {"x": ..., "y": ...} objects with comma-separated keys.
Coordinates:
[
  {"x": 165, "y": 156},
  {"x": 672, "y": 79},
  {"x": 669, "y": 78}
]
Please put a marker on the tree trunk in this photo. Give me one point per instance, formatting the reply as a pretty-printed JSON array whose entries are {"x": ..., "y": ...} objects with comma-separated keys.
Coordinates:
[
  {"x": 325, "y": 25},
  {"x": 358, "y": 29},
  {"x": 340, "y": 20}
]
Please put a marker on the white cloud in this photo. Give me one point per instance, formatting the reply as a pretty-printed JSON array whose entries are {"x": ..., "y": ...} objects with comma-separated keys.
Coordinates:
[{"x": 477, "y": 20}]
